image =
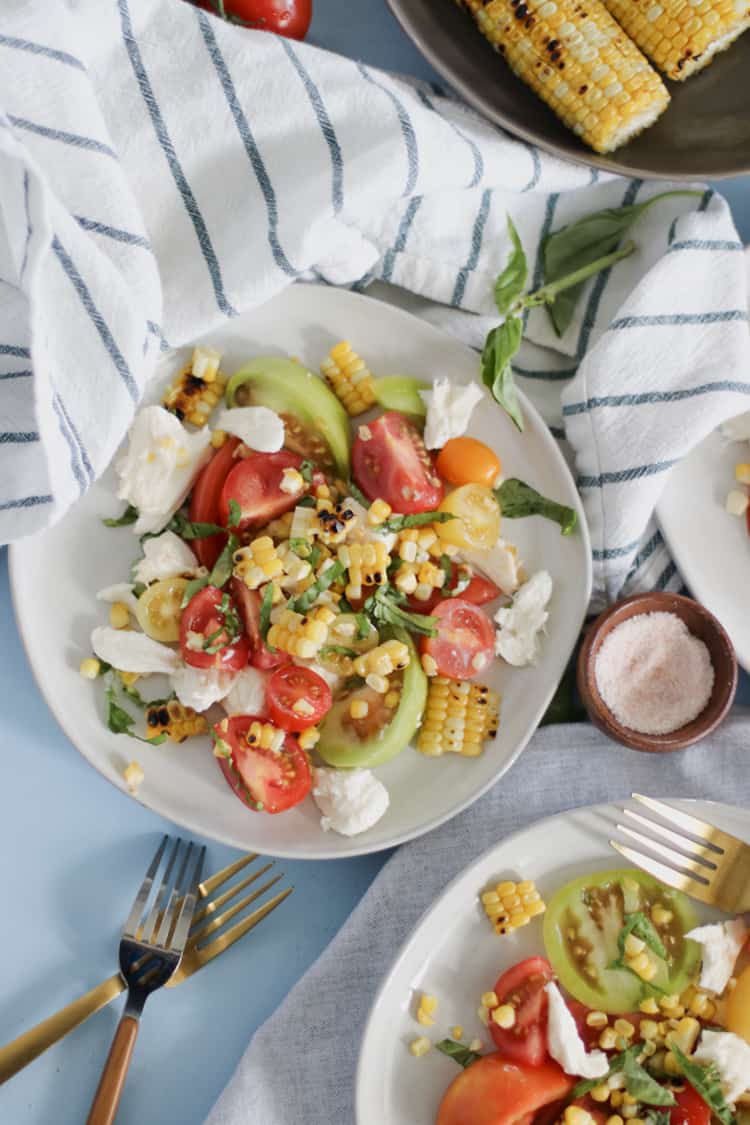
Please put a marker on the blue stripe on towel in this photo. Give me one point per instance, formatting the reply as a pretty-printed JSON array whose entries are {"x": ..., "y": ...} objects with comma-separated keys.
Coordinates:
[
  {"x": 402, "y": 235},
  {"x": 474, "y": 147},
  {"x": 72, "y": 139},
  {"x": 113, "y": 232},
  {"x": 407, "y": 130},
  {"x": 25, "y": 502},
  {"x": 477, "y": 235},
  {"x": 655, "y": 396},
  {"x": 41, "y": 49},
  {"x": 668, "y": 319},
  {"x": 623, "y": 476},
  {"x": 324, "y": 121}
]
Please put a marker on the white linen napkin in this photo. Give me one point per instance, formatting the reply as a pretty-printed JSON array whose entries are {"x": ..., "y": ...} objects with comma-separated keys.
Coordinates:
[
  {"x": 300, "y": 1066},
  {"x": 161, "y": 170}
]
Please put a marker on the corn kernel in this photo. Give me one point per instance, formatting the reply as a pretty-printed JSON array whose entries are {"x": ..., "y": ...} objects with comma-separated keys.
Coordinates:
[
  {"x": 483, "y": 1015},
  {"x": 504, "y": 1016},
  {"x": 89, "y": 668},
  {"x": 349, "y": 378},
  {"x": 600, "y": 1093},
  {"x": 457, "y": 1032},
  {"x": 649, "y": 1029},
  {"x": 608, "y": 1039},
  {"x": 742, "y": 473},
  {"x": 218, "y": 437},
  {"x": 489, "y": 1000},
  {"x": 392, "y": 699},
  {"x": 476, "y": 1045},
  {"x": 133, "y": 775},
  {"x": 424, "y": 1018},
  {"x": 661, "y": 916},
  {"x": 429, "y": 665},
  {"x": 671, "y": 1065},
  {"x": 119, "y": 615},
  {"x": 308, "y": 738},
  {"x": 359, "y": 708},
  {"x": 378, "y": 683},
  {"x": 649, "y": 1006},
  {"x": 420, "y": 1046},
  {"x": 575, "y": 1115},
  {"x": 634, "y": 945},
  {"x": 615, "y": 1119},
  {"x": 428, "y": 1003},
  {"x": 597, "y": 1019},
  {"x": 615, "y": 1099},
  {"x": 378, "y": 512},
  {"x": 625, "y": 1028}
]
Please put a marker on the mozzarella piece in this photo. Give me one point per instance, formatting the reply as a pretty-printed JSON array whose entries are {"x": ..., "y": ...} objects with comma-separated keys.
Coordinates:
[
  {"x": 164, "y": 556},
  {"x": 199, "y": 688},
  {"x": 737, "y": 429},
  {"x": 501, "y": 564},
  {"x": 351, "y": 801},
  {"x": 721, "y": 944},
  {"x": 129, "y": 651},
  {"x": 731, "y": 1056},
  {"x": 120, "y": 592},
  {"x": 449, "y": 409},
  {"x": 248, "y": 694},
  {"x": 517, "y": 639},
  {"x": 362, "y": 532},
  {"x": 565, "y": 1043},
  {"x": 160, "y": 465},
  {"x": 257, "y": 426}
]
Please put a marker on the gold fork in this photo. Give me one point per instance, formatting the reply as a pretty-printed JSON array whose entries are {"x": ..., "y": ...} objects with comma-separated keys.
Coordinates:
[
  {"x": 198, "y": 952},
  {"x": 697, "y": 858}
]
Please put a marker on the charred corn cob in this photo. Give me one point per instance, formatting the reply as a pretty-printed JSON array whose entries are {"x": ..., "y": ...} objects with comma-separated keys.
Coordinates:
[
  {"x": 301, "y": 636},
  {"x": 382, "y": 660},
  {"x": 459, "y": 717},
  {"x": 197, "y": 389},
  {"x": 349, "y": 378},
  {"x": 681, "y": 38},
  {"x": 258, "y": 562},
  {"x": 579, "y": 61},
  {"x": 366, "y": 564},
  {"x": 510, "y": 905},
  {"x": 175, "y": 720}
]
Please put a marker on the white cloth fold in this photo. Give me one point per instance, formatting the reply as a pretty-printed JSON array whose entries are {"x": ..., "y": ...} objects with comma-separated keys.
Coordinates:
[{"x": 161, "y": 170}]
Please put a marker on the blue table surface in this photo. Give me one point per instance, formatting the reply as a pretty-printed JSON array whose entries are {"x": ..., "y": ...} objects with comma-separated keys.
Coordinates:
[{"x": 75, "y": 850}]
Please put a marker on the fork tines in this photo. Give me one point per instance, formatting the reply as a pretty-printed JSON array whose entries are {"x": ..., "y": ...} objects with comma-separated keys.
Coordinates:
[{"x": 163, "y": 920}]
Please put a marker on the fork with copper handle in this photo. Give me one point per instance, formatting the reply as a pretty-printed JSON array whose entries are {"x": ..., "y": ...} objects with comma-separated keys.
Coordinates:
[{"x": 199, "y": 951}]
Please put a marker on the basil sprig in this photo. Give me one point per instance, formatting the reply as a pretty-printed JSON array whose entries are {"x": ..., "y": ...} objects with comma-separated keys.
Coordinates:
[
  {"x": 518, "y": 499},
  {"x": 501, "y": 345},
  {"x": 706, "y": 1081},
  {"x": 130, "y": 515},
  {"x": 416, "y": 519},
  {"x": 458, "y": 1052},
  {"x": 384, "y": 607},
  {"x": 511, "y": 282}
]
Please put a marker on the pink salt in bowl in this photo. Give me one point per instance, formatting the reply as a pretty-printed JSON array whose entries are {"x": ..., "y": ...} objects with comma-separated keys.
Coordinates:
[{"x": 701, "y": 624}]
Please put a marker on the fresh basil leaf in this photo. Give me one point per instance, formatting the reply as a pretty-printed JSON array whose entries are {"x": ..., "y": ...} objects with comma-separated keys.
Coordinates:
[
  {"x": 120, "y": 721},
  {"x": 337, "y": 650},
  {"x": 139, "y": 588},
  {"x": 306, "y": 471},
  {"x": 510, "y": 283},
  {"x": 501, "y": 345},
  {"x": 458, "y": 1052},
  {"x": 330, "y": 575},
  {"x": 706, "y": 1081},
  {"x": 641, "y": 927},
  {"x": 357, "y": 494},
  {"x": 266, "y": 606},
  {"x": 616, "y": 1064},
  {"x": 194, "y": 586},
  {"x": 446, "y": 565},
  {"x": 416, "y": 519},
  {"x": 235, "y": 514},
  {"x": 384, "y": 607},
  {"x": 518, "y": 499},
  {"x": 659, "y": 1117},
  {"x": 641, "y": 1086},
  {"x": 130, "y": 515},
  {"x": 222, "y": 569},
  {"x": 187, "y": 529},
  {"x": 363, "y": 626},
  {"x": 306, "y": 502}
]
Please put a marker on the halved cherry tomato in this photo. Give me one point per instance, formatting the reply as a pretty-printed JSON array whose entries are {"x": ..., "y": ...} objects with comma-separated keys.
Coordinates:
[
  {"x": 255, "y": 484},
  {"x": 690, "y": 1109},
  {"x": 158, "y": 611},
  {"x": 248, "y": 605},
  {"x": 291, "y": 687},
  {"x": 522, "y": 987},
  {"x": 264, "y": 780},
  {"x": 479, "y": 591},
  {"x": 204, "y": 502},
  {"x": 496, "y": 1091},
  {"x": 390, "y": 461},
  {"x": 465, "y": 460},
  {"x": 290, "y": 18},
  {"x": 202, "y": 623},
  {"x": 465, "y": 642},
  {"x": 476, "y": 518}
]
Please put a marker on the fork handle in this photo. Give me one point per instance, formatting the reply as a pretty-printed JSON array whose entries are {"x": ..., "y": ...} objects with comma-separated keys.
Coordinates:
[
  {"x": 112, "y": 1082},
  {"x": 14, "y": 1056}
]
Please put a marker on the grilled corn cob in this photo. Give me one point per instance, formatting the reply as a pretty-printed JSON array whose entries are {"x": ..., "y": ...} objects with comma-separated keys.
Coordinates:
[
  {"x": 681, "y": 38},
  {"x": 349, "y": 378},
  {"x": 579, "y": 62},
  {"x": 197, "y": 389},
  {"x": 258, "y": 562},
  {"x": 366, "y": 564},
  {"x": 383, "y": 659},
  {"x": 510, "y": 905},
  {"x": 459, "y": 717},
  {"x": 175, "y": 720},
  {"x": 301, "y": 636}
]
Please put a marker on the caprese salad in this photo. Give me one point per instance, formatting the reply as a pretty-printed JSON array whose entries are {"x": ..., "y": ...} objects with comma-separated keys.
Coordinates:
[
  {"x": 324, "y": 581},
  {"x": 632, "y": 1015}
]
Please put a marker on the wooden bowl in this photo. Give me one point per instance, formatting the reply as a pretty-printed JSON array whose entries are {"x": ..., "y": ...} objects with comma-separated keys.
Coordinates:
[{"x": 701, "y": 624}]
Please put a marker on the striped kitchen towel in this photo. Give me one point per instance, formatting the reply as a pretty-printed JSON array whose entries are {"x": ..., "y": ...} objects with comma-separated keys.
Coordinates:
[{"x": 161, "y": 171}]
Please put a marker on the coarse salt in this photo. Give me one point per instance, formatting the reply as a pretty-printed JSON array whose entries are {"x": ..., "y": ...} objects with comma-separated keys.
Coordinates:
[{"x": 653, "y": 674}]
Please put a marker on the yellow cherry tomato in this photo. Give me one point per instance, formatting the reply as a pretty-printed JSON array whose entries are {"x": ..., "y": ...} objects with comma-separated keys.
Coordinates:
[
  {"x": 738, "y": 1007},
  {"x": 477, "y": 522},
  {"x": 465, "y": 460},
  {"x": 159, "y": 609}
]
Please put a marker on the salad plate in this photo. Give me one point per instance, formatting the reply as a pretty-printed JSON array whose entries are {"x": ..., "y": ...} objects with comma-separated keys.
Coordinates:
[
  {"x": 455, "y": 956},
  {"x": 183, "y": 782}
]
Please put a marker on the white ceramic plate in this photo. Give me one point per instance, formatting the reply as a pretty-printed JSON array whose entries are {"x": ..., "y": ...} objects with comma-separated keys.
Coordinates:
[
  {"x": 453, "y": 954},
  {"x": 710, "y": 547},
  {"x": 183, "y": 783}
]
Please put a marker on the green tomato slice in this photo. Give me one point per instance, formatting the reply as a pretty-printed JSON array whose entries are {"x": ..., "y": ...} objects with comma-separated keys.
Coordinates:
[{"x": 583, "y": 922}]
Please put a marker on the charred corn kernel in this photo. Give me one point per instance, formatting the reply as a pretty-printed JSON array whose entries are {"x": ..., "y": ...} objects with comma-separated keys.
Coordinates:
[
  {"x": 685, "y": 1035},
  {"x": 265, "y": 735},
  {"x": 457, "y": 1032},
  {"x": 366, "y": 563},
  {"x": 349, "y": 378},
  {"x": 129, "y": 678},
  {"x": 428, "y": 1004},
  {"x": 378, "y": 512},
  {"x": 649, "y": 1029},
  {"x": 429, "y": 664},
  {"x": 378, "y": 683},
  {"x": 424, "y": 1018},
  {"x": 175, "y": 720},
  {"x": 575, "y": 1115},
  {"x": 309, "y": 738},
  {"x": 292, "y": 482},
  {"x": 504, "y": 1016},
  {"x": 420, "y": 1046},
  {"x": 392, "y": 699},
  {"x": 119, "y": 615},
  {"x": 133, "y": 775},
  {"x": 649, "y": 1007},
  {"x": 218, "y": 437},
  {"x": 258, "y": 562},
  {"x": 660, "y": 916},
  {"x": 459, "y": 716},
  {"x": 391, "y": 656},
  {"x": 89, "y": 668},
  {"x": 600, "y": 1093},
  {"x": 597, "y": 1019},
  {"x": 192, "y": 397},
  {"x": 359, "y": 708},
  {"x": 634, "y": 945},
  {"x": 608, "y": 1039},
  {"x": 205, "y": 363},
  {"x": 742, "y": 473},
  {"x": 301, "y": 636}
]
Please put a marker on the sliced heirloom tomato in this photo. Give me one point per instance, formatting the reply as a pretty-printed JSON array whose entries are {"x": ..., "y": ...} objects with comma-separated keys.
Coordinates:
[
  {"x": 390, "y": 461},
  {"x": 297, "y": 698},
  {"x": 522, "y": 986},
  {"x": 248, "y": 606},
  {"x": 465, "y": 641},
  {"x": 264, "y": 780},
  {"x": 204, "y": 501},
  {"x": 158, "y": 611},
  {"x": 203, "y": 624},
  {"x": 255, "y": 484},
  {"x": 476, "y": 518},
  {"x": 690, "y": 1109},
  {"x": 496, "y": 1091},
  {"x": 465, "y": 460}
]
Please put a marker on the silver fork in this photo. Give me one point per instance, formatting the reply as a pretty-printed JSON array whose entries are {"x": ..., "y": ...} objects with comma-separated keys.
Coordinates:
[
  {"x": 697, "y": 858},
  {"x": 151, "y": 948}
]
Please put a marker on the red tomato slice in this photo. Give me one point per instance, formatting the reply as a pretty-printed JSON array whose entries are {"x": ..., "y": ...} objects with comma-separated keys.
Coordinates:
[
  {"x": 479, "y": 591},
  {"x": 255, "y": 484},
  {"x": 290, "y": 18},
  {"x": 248, "y": 606},
  {"x": 496, "y": 1091},
  {"x": 264, "y": 780},
  {"x": 204, "y": 502},
  {"x": 690, "y": 1109},
  {"x": 465, "y": 643},
  {"x": 523, "y": 988},
  {"x": 294, "y": 685},
  {"x": 203, "y": 618},
  {"x": 392, "y": 462}
]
